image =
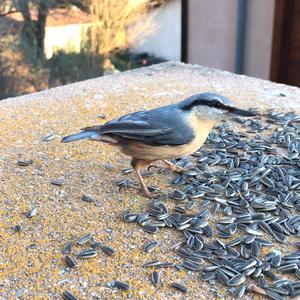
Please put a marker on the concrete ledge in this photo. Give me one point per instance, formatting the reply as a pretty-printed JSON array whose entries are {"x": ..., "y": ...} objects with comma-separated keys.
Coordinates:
[{"x": 31, "y": 262}]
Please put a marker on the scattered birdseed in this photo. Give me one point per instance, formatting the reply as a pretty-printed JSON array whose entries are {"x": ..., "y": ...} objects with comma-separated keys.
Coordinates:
[
  {"x": 67, "y": 295},
  {"x": 155, "y": 277},
  {"x": 17, "y": 228},
  {"x": 70, "y": 262},
  {"x": 87, "y": 253},
  {"x": 152, "y": 263},
  {"x": 180, "y": 287},
  {"x": 58, "y": 182},
  {"x": 121, "y": 285},
  {"x": 32, "y": 212},
  {"x": 49, "y": 138},
  {"x": 102, "y": 116},
  {"x": 149, "y": 247},
  {"x": 67, "y": 248},
  {"x": 107, "y": 250},
  {"x": 84, "y": 239},
  {"x": 25, "y": 163},
  {"x": 88, "y": 198}
]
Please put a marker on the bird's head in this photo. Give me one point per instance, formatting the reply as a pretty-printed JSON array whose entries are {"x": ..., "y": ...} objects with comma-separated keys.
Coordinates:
[{"x": 213, "y": 106}]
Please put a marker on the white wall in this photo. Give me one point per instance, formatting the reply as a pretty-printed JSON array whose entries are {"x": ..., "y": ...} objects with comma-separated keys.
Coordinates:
[
  {"x": 68, "y": 38},
  {"x": 166, "y": 41}
]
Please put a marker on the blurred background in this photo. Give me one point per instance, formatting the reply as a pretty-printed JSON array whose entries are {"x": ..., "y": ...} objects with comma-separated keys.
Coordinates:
[{"x": 47, "y": 43}]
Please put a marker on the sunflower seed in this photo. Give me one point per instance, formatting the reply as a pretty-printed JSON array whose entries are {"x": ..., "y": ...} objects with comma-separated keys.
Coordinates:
[
  {"x": 70, "y": 262},
  {"x": 88, "y": 198},
  {"x": 25, "y": 163},
  {"x": 49, "y": 138},
  {"x": 121, "y": 285},
  {"x": 237, "y": 280},
  {"x": 17, "y": 228},
  {"x": 67, "y": 295},
  {"x": 130, "y": 217},
  {"x": 149, "y": 247},
  {"x": 84, "y": 239},
  {"x": 150, "y": 229},
  {"x": 108, "y": 250},
  {"x": 240, "y": 291},
  {"x": 67, "y": 248},
  {"x": 180, "y": 287},
  {"x": 152, "y": 263},
  {"x": 58, "y": 182},
  {"x": 155, "y": 277},
  {"x": 87, "y": 253},
  {"x": 32, "y": 212}
]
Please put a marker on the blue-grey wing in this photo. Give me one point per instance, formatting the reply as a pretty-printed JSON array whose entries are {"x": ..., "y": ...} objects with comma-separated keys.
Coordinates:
[{"x": 163, "y": 126}]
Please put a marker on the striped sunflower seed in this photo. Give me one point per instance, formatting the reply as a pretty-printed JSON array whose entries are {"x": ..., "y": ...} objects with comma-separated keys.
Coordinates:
[
  {"x": 155, "y": 277},
  {"x": 84, "y": 239},
  {"x": 179, "y": 287},
  {"x": 151, "y": 246},
  {"x": 67, "y": 295},
  {"x": 87, "y": 253}
]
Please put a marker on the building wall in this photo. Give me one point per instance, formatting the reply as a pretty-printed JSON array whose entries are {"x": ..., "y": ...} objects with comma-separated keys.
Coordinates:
[
  {"x": 212, "y": 26},
  {"x": 166, "y": 41},
  {"x": 258, "y": 50},
  {"x": 211, "y": 33}
]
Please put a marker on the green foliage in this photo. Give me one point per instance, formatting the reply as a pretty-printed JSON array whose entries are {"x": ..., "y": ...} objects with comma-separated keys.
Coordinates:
[{"x": 70, "y": 67}]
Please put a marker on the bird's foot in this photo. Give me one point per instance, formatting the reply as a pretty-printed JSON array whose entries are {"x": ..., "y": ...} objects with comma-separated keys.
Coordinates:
[
  {"x": 173, "y": 167},
  {"x": 152, "y": 193},
  {"x": 177, "y": 169},
  {"x": 155, "y": 167}
]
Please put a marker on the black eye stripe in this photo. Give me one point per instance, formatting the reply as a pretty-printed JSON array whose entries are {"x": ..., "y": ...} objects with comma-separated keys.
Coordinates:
[{"x": 210, "y": 103}]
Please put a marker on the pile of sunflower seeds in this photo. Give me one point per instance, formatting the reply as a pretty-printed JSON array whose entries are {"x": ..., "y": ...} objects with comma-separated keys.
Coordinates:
[{"x": 245, "y": 186}]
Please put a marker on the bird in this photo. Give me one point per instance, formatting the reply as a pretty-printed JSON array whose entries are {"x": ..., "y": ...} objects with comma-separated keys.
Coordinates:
[{"x": 163, "y": 133}]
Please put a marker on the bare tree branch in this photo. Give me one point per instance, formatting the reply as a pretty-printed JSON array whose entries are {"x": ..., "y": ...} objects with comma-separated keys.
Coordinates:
[{"x": 119, "y": 24}]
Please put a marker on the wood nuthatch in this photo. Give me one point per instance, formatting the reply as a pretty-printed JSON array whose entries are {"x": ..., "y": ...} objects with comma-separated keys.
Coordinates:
[{"x": 163, "y": 133}]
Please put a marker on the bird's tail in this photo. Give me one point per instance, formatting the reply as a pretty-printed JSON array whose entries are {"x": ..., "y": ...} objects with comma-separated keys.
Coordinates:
[{"x": 91, "y": 135}]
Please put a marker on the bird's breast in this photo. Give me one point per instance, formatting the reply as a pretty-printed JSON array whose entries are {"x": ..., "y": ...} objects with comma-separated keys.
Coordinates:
[{"x": 140, "y": 150}]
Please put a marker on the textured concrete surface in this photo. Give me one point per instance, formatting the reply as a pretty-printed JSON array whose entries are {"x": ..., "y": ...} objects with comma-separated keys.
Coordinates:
[{"x": 31, "y": 261}]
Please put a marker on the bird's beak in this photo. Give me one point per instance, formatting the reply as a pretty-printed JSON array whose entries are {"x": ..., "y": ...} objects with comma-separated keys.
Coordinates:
[{"x": 242, "y": 112}]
